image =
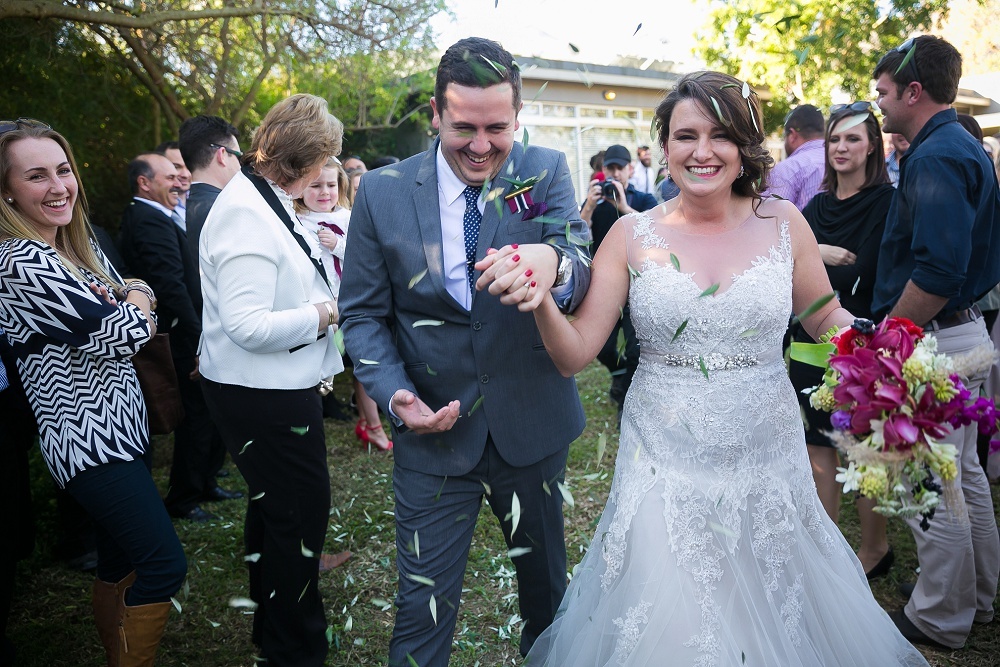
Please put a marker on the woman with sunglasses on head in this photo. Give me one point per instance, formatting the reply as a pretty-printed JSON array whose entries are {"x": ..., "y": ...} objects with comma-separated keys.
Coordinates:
[
  {"x": 847, "y": 217},
  {"x": 73, "y": 324}
]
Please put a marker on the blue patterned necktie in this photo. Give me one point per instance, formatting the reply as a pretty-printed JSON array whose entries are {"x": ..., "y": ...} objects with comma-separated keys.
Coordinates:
[{"x": 470, "y": 227}]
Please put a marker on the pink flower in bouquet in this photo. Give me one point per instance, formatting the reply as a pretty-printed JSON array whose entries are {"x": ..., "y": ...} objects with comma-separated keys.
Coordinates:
[{"x": 900, "y": 433}]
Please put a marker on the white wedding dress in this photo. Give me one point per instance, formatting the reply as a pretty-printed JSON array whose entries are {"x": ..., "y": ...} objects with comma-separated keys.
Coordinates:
[{"x": 713, "y": 548}]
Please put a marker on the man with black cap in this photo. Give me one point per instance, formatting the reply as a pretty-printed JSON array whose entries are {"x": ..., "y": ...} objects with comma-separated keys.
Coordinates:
[
  {"x": 612, "y": 196},
  {"x": 608, "y": 199}
]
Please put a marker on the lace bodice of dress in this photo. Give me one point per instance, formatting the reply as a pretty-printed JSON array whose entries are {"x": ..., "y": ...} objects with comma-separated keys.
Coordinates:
[{"x": 750, "y": 269}]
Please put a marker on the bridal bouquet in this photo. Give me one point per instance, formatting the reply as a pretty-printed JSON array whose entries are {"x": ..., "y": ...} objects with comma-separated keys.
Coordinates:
[{"x": 893, "y": 397}]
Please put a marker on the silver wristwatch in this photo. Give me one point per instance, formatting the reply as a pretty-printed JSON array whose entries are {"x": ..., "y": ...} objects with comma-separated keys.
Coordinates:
[{"x": 565, "y": 270}]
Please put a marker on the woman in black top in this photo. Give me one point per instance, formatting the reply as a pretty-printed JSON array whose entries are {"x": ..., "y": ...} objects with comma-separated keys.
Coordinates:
[{"x": 847, "y": 217}]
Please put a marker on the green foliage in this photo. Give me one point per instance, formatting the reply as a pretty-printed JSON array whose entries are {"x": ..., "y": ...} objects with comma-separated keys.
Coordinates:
[
  {"x": 50, "y": 73},
  {"x": 805, "y": 50}
]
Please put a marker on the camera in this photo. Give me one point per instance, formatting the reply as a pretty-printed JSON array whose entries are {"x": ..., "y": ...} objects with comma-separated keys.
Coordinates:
[{"x": 608, "y": 190}]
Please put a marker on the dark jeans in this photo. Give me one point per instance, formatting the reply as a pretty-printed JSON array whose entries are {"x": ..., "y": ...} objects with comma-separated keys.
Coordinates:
[
  {"x": 133, "y": 530},
  {"x": 276, "y": 439}
]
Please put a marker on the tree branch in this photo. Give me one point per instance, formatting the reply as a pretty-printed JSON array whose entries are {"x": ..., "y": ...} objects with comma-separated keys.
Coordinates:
[{"x": 49, "y": 9}]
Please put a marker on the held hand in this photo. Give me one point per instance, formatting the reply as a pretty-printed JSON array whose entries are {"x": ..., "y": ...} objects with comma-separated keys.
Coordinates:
[
  {"x": 836, "y": 256},
  {"x": 520, "y": 275},
  {"x": 103, "y": 292},
  {"x": 420, "y": 418},
  {"x": 328, "y": 238},
  {"x": 195, "y": 375}
]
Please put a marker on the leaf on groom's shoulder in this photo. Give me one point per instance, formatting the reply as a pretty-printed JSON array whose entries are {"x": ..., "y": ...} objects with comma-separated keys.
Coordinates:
[{"x": 391, "y": 173}]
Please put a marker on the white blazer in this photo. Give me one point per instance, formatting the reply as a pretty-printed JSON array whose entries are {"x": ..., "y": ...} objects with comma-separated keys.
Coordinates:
[{"x": 259, "y": 327}]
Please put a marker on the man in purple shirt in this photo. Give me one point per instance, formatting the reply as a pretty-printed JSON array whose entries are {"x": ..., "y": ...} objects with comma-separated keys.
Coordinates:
[{"x": 797, "y": 178}]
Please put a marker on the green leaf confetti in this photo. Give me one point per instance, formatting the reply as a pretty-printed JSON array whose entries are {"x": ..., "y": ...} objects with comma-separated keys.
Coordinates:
[
  {"x": 475, "y": 406},
  {"x": 709, "y": 291},
  {"x": 815, "y": 306},
  {"x": 420, "y": 580},
  {"x": 417, "y": 278},
  {"x": 680, "y": 330}
]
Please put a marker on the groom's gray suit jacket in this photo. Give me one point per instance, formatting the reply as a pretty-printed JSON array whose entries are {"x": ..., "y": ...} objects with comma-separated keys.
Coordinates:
[{"x": 417, "y": 337}]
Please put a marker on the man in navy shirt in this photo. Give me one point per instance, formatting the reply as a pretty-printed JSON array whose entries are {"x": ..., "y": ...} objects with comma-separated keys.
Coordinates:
[{"x": 940, "y": 253}]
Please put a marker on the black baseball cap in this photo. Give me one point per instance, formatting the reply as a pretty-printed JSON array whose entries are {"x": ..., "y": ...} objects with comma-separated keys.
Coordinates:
[{"x": 617, "y": 155}]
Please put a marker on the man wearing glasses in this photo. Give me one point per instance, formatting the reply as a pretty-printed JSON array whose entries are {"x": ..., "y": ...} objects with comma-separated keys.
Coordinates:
[
  {"x": 210, "y": 147},
  {"x": 940, "y": 253}
]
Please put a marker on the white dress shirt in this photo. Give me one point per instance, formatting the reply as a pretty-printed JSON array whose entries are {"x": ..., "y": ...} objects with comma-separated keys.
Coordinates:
[
  {"x": 644, "y": 178},
  {"x": 452, "y": 204}
]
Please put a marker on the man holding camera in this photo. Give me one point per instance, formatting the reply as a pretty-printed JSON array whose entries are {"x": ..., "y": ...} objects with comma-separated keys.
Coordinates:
[{"x": 610, "y": 197}]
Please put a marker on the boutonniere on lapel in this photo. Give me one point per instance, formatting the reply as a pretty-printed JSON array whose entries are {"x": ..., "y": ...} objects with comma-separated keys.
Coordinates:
[{"x": 519, "y": 198}]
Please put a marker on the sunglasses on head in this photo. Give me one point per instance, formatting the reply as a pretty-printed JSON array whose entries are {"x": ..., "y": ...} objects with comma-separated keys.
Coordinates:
[
  {"x": 11, "y": 125},
  {"x": 857, "y": 107}
]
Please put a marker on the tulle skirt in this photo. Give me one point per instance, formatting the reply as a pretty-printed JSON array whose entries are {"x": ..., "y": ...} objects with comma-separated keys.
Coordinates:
[{"x": 689, "y": 585}]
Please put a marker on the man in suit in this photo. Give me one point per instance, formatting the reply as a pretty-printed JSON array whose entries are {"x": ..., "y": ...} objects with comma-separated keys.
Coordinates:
[
  {"x": 153, "y": 244},
  {"x": 210, "y": 147},
  {"x": 172, "y": 151},
  {"x": 477, "y": 406}
]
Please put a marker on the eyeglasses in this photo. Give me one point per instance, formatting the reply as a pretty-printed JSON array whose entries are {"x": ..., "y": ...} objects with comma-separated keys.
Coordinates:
[
  {"x": 11, "y": 125},
  {"x": 231, "y": 151},
  {"x": 908, "y": 49},
  {"x": 857, "y": 107}
]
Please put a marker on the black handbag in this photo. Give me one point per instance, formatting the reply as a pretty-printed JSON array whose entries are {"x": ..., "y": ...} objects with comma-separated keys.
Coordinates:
[{"x": 154, "y": 367}]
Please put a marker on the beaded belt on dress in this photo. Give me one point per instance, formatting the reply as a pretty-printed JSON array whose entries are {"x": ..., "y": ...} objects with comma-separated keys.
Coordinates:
[{"x": 715, "y": 361}]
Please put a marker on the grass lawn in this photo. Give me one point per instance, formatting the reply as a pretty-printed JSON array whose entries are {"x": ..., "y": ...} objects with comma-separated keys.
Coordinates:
[{"x": 52, "y": 626}]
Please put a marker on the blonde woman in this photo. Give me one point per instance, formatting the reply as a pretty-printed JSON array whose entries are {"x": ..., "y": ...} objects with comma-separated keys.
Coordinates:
[
  {"x": 74, "y": 324},
  {"x": 268, "y": 323}
]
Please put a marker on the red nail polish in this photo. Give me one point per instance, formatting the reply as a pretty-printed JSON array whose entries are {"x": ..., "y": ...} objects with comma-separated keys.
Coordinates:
[
  {"x": 516, "y": 258},
  {"x": 514, "y": 246},
  {"x": 527, "y": 274},
  {"x": 533, "y": 283}
]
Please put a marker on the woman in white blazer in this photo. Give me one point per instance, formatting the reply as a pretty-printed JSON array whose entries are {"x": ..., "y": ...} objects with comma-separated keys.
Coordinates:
[{"x": 267, "y": 345}]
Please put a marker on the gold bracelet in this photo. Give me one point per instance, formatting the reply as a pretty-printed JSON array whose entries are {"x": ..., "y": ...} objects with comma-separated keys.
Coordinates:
[{"x": 331, "y": 316}]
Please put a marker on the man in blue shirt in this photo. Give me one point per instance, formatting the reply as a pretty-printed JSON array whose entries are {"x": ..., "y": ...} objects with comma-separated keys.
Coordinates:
[{"x": 940, "y": 253}]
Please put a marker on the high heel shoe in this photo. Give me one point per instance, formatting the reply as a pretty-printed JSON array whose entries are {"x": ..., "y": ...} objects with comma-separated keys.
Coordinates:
[
  {"x": 882, "y": 567},
  {"x": 362, "y": 430}
]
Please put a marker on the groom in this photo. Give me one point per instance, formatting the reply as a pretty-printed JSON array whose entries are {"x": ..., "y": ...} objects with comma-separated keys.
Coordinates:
[{"x": 477, "y": 406}]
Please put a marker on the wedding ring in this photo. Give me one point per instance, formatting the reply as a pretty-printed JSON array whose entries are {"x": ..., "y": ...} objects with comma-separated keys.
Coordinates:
[{"x": 527, "y": 284}]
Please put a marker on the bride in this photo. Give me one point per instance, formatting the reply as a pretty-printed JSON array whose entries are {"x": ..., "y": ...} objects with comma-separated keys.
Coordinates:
[{"x": 713, "y": 548}]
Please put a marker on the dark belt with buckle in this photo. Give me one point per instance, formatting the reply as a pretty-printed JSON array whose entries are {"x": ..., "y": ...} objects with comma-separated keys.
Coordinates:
[{"x": 955, "y": 319}]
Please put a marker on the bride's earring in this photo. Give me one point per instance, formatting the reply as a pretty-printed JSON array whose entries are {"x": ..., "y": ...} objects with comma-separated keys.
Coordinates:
[{"x": 742, "y": 173}]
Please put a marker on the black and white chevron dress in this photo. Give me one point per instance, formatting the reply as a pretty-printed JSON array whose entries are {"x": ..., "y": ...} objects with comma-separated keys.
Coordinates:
[{"x": 73, "y": 353}]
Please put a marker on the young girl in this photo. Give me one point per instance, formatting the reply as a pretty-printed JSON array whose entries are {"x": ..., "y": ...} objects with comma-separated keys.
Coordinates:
[{"x": 325, "y": 211}]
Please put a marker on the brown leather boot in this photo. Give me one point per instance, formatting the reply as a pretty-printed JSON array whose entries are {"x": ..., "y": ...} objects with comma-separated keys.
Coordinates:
[
  {"x": 105, "y": 599},
  {"x": 140, "y": 630}
]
